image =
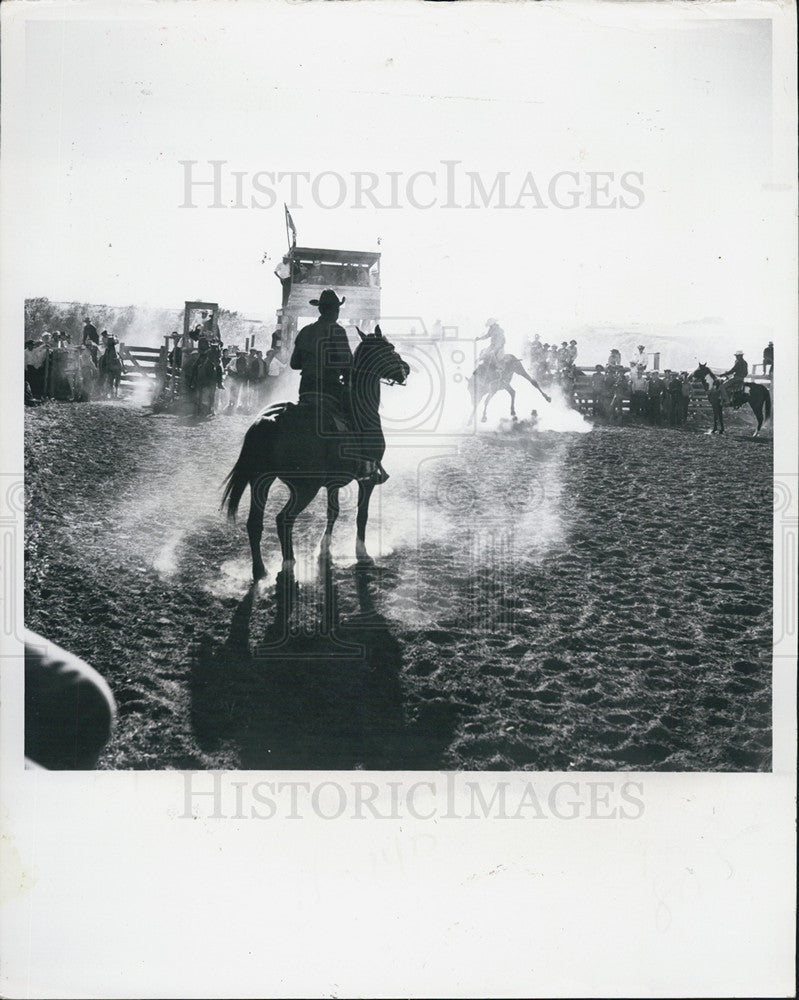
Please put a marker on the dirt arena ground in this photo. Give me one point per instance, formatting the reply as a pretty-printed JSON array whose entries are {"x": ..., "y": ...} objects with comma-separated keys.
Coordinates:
[{"x": 540, "y": 601}]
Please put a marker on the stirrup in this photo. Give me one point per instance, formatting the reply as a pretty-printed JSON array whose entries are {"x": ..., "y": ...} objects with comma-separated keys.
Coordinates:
[
  {"x": 379, "y": 474},
  {"x": 373, "y": 472}
]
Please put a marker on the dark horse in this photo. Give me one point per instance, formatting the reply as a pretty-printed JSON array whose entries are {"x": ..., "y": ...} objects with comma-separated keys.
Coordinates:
[
  {"x": 756, "y": 395},
  {"x": 489, "y": 377},
  {"x": 205, "y": 377},
  {"x": 285, "y": 443},
  {"x": 111, "y": 370}
]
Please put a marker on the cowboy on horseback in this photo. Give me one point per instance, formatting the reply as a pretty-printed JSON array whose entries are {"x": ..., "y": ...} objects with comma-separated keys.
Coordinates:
[
  {"x": 733, "y": 389},
  {"x": 494, "y": 354},
  {"x": 323, "y": 356}
]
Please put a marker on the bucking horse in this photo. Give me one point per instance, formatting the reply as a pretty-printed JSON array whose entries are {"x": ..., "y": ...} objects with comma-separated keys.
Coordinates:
[
  {"x": 758, "y": 397},
  {"x": 286, "y": 442},
  {"x": 490, "y": 376}
]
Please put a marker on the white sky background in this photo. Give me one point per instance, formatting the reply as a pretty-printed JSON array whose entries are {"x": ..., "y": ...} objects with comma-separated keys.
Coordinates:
[{"x": 111, "y": 105}]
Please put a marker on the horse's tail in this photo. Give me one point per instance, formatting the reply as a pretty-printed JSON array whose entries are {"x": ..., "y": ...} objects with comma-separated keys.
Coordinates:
[
  {"x": 254, "y": 461},
  {"x": 767, "y": 401},
  {"x": 241, "y": 475}
]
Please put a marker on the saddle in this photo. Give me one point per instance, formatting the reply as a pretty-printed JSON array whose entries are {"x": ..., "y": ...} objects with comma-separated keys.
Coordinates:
[
  {"x": 334, "y": 429},
  {"x": 732, "y": 394}
]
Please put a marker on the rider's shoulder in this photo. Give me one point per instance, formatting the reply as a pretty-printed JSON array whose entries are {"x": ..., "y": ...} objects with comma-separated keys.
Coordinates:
[{"x": 307, "y": 332}]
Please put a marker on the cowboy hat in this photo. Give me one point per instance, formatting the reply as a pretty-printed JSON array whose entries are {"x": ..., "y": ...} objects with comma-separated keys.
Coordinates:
[
  {"x": 327, "y": 299},
  {"x": 737, "y": 353}
]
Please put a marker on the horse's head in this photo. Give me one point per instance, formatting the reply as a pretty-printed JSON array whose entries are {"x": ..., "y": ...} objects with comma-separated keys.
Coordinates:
[
  {"x": 702, "y": 374},
  {"x": 377, "y": 357}
]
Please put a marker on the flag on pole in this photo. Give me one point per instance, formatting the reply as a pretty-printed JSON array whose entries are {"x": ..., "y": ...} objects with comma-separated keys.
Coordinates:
[{"x": 290, "y": 227}]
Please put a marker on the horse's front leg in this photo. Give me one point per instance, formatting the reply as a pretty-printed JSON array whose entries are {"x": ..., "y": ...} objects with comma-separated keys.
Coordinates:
[
  {"x": 365, "y": 488},
  {"x": 489, "y": 397},
  {"x": 332, "y": 515}
]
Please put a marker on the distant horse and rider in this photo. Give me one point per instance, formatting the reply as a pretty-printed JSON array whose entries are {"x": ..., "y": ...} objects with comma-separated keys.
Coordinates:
[
  {"x": 110, "y": 369},
  {"x": 331, "y": 437},
  {"x": 204, "y": 376},
  {"x": 495, "y": 370},
  {"x": 733, "y": 392}
]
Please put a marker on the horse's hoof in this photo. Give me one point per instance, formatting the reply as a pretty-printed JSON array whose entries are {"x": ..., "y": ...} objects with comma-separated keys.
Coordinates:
[
  {"x": 514, "y": 417},
  {"x": 484, "y": 420}
]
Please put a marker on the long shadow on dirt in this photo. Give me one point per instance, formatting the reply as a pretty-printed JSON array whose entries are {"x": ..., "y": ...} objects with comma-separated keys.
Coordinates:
[{"x": 331, "y": 699}]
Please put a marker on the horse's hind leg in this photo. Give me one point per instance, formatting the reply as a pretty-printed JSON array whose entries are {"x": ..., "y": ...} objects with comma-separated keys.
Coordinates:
[
  {"x": 259, "y": 491},
  {"x": 300, "y": 497},
  {"x": 758, "y": 412},
  {"x": 364, "y": 495},
  {"x": 332, "y": 515},
  {"x": 512, "y": 394}
]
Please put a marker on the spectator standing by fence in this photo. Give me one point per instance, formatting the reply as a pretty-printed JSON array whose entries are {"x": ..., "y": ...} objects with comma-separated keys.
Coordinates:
[
  {"x": 598, "y": 390},
  {"x": 674, "y": 390},
  {"x": 666, "y": 398},
  {"x": 36, "y": 357},
  {"x": 768, "y": 359},
  {"x": 655, "y": 395},
  {"x": 639, "y": 361},
  {"x": 637, "y": 392},
  {"x": 91, "y": 338},
  {"x": 685, "y": 387},
  {"x": 237, "y": 370}
]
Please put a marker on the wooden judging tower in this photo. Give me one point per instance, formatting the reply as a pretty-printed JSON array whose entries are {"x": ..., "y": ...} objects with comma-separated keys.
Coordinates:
[{"x": 305, "y": 272}]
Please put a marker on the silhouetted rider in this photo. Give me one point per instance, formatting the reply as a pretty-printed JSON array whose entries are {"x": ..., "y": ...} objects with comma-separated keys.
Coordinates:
[{"x": 736, "y": 376}]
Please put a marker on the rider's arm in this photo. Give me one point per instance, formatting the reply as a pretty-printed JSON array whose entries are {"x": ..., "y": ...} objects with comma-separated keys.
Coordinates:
[
  {"x": 296, "y": 357},
  {"x": 342, "y": 352}
]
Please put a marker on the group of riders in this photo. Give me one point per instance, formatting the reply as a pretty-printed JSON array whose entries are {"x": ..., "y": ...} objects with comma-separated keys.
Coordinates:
[
  {"x": 55, "y": 367},
  {"x": 652, "y": 395},
  {"x": 209, "y": 366}
]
